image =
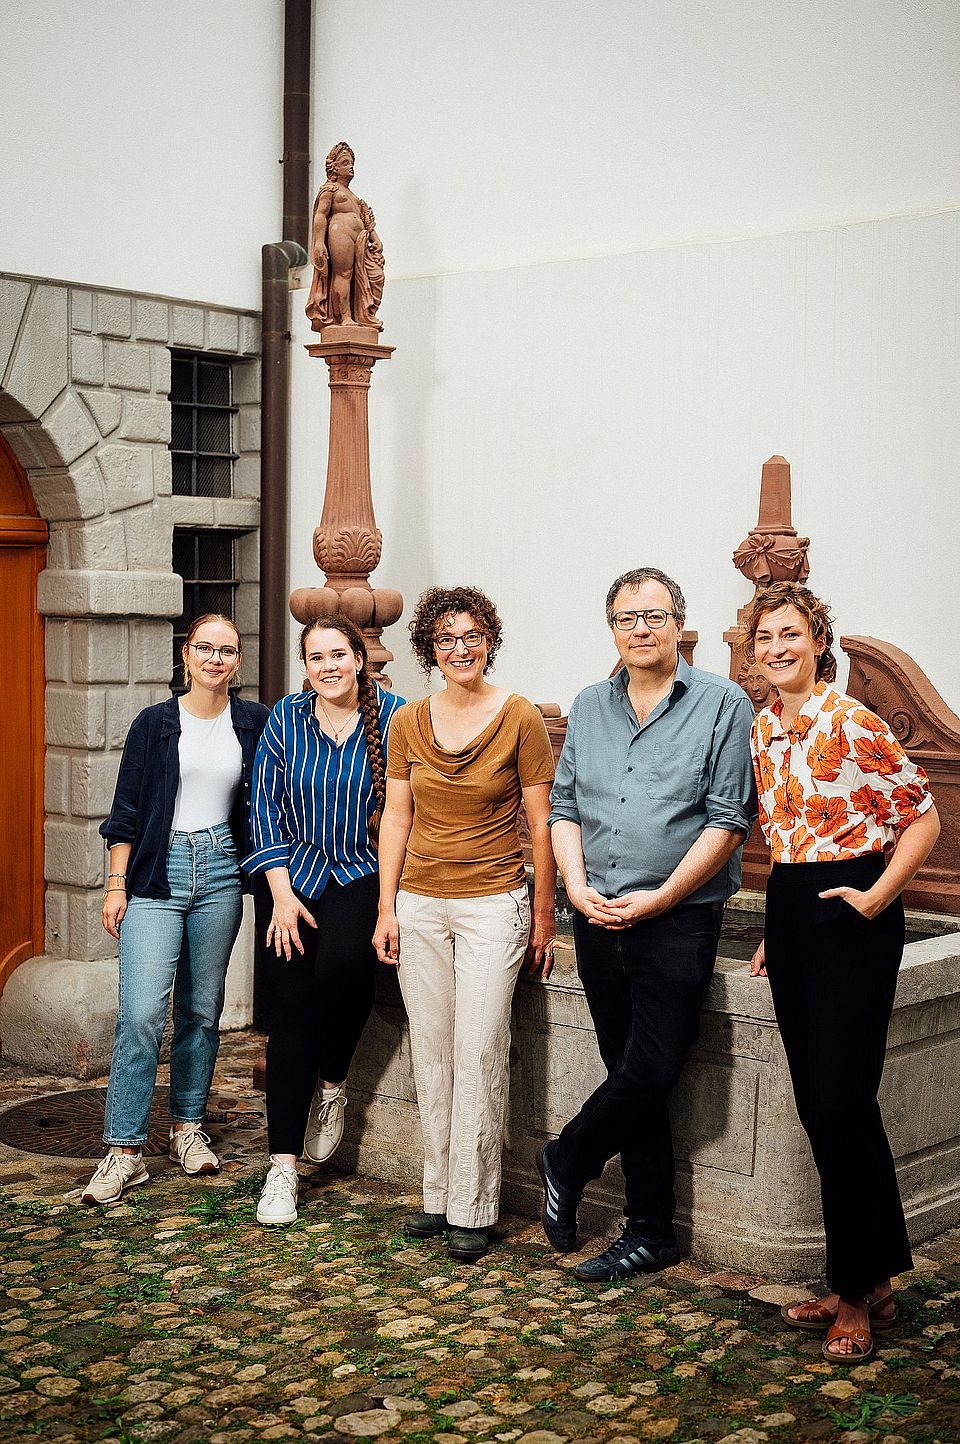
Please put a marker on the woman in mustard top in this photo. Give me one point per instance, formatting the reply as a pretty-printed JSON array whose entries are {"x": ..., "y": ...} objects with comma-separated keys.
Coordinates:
[{"x": 454, "y": 909}]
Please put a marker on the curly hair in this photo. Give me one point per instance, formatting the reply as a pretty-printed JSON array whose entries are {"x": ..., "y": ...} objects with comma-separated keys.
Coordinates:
[
  {"x": 368, "y": 701},
  {"x": 341, "y": 148},
  {"x": 818, "y": 616},
  {"x": 436, "y": 605}
]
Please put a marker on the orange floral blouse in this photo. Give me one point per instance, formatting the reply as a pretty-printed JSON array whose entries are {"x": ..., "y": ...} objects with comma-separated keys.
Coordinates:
[{"x": 837, "y": 784}]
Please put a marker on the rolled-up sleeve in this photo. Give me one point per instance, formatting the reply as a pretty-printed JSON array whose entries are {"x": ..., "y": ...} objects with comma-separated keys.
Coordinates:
[
  {"x": 563, "y": 793},
  {"x": 271, "y": 846},
  {"x": 731, "y": 801}
]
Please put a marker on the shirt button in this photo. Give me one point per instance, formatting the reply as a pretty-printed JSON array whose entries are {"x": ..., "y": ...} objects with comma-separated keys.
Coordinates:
[
  {"x": 613, "y": 864},
  {"x": 629, "y": 769},
  {"x": 623, "y": 799}
]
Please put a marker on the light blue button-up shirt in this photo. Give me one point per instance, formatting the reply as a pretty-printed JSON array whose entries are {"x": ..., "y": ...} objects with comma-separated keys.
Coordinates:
[{"x": 643, "y": 794}]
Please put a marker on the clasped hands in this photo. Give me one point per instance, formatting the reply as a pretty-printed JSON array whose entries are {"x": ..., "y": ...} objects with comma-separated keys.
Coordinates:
[{"x": 620, "y": 912}]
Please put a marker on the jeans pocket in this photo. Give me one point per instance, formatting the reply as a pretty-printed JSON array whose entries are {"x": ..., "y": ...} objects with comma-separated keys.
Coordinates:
[{"x": 697, "y": 920}]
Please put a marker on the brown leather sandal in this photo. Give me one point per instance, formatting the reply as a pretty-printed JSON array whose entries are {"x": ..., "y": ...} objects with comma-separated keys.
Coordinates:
[
  {"x": 861, "y": 1339},
  {"x": 816, "y": 1315}
]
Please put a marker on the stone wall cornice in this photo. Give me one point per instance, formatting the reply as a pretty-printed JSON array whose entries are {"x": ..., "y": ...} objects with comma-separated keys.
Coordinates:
[{"x": 109, "y": 594}]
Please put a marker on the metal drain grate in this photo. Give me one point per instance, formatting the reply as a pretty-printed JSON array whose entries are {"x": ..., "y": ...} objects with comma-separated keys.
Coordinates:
[{"x": 70, "y": 1125}]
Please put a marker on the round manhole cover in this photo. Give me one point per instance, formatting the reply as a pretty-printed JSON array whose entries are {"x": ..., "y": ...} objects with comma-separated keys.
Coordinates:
[{"x": 70, "y": 1125}]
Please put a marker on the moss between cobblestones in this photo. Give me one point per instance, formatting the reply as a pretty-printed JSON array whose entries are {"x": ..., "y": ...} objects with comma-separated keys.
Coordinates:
[{"x": 173, "y": 1317}]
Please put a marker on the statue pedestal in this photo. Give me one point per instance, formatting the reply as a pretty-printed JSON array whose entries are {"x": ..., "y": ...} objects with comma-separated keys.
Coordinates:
[{"x": 347, "y": 542}]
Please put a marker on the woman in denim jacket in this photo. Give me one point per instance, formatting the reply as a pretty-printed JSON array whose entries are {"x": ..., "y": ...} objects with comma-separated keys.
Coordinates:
[{"x": 179, "y": 822}]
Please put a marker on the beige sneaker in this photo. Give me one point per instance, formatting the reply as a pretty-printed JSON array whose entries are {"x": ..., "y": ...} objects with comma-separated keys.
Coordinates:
[
  {"x": 325, "y": 1125},
  {"x": 189, "y": 1146},
  {"x": 113, "y": 1175}
]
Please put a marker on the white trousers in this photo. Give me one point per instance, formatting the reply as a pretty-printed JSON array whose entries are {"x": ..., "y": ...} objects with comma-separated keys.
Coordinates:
[{"x": 459, "y": 961}]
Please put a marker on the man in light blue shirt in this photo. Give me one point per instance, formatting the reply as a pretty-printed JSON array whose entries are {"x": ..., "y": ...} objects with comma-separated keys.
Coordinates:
[{"x": 653, "y": 798}]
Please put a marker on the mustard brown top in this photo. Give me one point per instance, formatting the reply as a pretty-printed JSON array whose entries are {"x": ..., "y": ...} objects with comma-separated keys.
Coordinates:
[{"x": 464, "y": 840}]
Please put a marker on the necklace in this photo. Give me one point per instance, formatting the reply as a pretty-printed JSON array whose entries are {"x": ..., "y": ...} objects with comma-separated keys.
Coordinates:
[{"x": 336, "y": 734}]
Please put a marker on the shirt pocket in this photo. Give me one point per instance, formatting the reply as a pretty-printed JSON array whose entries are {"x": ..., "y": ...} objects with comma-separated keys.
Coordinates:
[{"x": 676, "y": 775}]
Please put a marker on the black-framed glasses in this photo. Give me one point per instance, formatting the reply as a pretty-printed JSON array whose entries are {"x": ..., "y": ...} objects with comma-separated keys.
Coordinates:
[
  {"x": 205, "y": 651},
  {"x": 446, "y": 642},
  {"x": 653, "y": 617}
]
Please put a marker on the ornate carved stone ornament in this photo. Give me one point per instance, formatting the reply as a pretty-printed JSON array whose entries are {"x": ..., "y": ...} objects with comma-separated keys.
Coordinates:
[{"x": 890, "y": 683}]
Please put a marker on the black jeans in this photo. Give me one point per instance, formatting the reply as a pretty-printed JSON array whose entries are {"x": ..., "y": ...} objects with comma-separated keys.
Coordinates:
[
  {"x": 644, "y": 987},
  {"x": 833, "y": 976},
  {"x": 318, "y": 1004}
]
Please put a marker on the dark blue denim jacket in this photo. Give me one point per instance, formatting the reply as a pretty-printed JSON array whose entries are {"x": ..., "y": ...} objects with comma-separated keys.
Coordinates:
[{"x": 146, "y": 791}]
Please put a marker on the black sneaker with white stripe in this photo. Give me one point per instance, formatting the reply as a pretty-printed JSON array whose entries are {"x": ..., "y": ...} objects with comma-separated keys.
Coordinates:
[
  {"x": 559, "y": 1206},
  {"x": 632, "y": 1253}
]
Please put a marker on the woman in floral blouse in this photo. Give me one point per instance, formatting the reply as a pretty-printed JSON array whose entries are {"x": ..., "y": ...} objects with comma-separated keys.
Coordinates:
[{"x": 849, "y": 820}]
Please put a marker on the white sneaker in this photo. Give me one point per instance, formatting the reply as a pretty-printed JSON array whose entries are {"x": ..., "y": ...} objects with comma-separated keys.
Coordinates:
[
  {"x": 189, "y": 1146},
  {"x": 325, "y": 1124},
  {"x": 278, "y": 1201},
  {"x": 113, "y": 1174}
]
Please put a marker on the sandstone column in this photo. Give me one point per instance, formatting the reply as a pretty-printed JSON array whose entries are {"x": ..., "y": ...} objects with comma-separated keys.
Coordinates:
[{"x": 771, "y": 552}]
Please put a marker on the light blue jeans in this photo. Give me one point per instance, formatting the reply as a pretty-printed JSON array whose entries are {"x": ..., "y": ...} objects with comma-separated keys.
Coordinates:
[{"x": 180, "y": 945}]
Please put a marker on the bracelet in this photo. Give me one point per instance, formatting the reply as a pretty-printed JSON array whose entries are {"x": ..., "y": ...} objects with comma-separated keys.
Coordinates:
[
  {"x": 114, "y": 889},
  {"x": 121, "y": 875}
]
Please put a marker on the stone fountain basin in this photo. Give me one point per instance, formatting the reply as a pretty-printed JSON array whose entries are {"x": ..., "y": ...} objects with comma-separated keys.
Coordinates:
[{"x": 748, "y": 1197}]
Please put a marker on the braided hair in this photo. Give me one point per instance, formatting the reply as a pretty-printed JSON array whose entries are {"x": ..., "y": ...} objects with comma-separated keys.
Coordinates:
[{"x": 368, "y": 702}]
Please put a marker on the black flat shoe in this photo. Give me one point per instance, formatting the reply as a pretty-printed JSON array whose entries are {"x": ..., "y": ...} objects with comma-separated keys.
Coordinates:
[
  {"x": 425, "y": 1225},
  {"x": 630, "y": 1254},
  {"x": 468, "y": 1244}
]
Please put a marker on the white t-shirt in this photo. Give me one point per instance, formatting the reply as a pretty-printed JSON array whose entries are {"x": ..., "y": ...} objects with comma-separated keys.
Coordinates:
[{"x": 211, "y": 764}]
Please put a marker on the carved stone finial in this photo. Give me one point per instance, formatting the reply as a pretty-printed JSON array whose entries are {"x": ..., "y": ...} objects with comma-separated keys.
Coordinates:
[
  {"x": 772, "y": 551},
  {"x": 346, "y": 252}
]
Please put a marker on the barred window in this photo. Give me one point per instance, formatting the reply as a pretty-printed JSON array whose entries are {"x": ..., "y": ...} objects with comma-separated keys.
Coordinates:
[
  {"x": 205, "y": 561},
  {"x": 201, "y": 439}
]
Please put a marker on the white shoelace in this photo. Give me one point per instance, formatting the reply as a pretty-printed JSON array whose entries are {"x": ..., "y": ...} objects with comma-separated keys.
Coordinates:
[
  {"x": 326, "y": 1110},
  {"x": 281, "y": 1180}
]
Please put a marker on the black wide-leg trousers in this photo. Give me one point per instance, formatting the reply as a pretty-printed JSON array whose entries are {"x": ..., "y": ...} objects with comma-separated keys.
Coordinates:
[
  {"x": 318, "y": 1004},
  {"x": 833, "y": 977}
]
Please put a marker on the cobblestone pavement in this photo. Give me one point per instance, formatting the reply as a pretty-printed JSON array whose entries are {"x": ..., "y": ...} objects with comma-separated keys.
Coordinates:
[{"x": 172, "y": 1316}]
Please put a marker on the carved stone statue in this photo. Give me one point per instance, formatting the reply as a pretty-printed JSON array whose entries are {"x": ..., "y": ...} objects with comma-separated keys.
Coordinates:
[{"x": 346, "y": 252}]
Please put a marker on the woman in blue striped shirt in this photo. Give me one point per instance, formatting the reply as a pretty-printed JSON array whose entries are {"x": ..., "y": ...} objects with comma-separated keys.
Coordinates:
[{"x": 319, "y": 782}]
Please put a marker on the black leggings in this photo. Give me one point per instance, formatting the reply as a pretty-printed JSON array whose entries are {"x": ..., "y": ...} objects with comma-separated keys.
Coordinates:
[
  {"x": 318, "y": 1004},
  {"x": 833, "y": 976}
]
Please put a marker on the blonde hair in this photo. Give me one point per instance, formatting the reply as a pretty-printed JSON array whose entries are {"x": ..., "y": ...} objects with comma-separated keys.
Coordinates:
[{"x": 194, "y": 629}]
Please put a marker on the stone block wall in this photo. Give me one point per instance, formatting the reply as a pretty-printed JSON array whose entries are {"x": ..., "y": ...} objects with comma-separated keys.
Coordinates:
[{"x": 84, "y": 403}]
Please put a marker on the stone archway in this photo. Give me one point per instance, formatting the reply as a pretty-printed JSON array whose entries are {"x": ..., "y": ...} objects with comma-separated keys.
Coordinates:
[{"x": 85, "y": 441}]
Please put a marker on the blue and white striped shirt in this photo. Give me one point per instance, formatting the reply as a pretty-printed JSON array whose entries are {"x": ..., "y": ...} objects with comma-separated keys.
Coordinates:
[{"x": 312, "y": 801}]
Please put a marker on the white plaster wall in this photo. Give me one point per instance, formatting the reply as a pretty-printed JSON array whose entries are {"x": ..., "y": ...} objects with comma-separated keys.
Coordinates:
[
  {"x": 141, "y": 143},
  {"x": 617, "y": 284},
  {"x": 541, "y": 467},
  {"x": 513, "y": 131}
]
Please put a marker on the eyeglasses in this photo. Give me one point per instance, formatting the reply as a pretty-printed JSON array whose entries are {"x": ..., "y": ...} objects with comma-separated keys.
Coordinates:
[
  {"x": 205, "y": 651},
  {"x": 654, "y": 618},
  {"x": 446, "y": 642}
]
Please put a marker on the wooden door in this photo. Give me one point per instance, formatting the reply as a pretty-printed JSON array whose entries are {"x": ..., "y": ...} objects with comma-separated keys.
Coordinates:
[{"x": 23, "y": 545}]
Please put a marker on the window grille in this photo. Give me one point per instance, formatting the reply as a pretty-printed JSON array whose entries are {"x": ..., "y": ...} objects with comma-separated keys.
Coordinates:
[
  {"x": 205, "y": 561},
  {"x": 201, "y": 436}
]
